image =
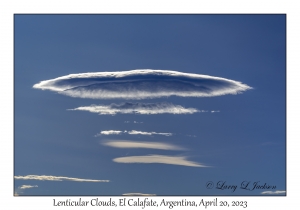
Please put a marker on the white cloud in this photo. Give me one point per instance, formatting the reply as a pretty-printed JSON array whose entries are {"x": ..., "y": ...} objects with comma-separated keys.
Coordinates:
[
  {"x": 27, "y": 186},
  {"x": 141, "y": 84},
  {"x": 109, "y": 132},
  {"x": 146, "y": 145},
  {"x": 22, "y": 188},
  {"x": 138, "y": 108},
  {"x": 274, "y": 192},
  {"x": 174, "y": 160},
  {"x": 138, "y": 194},
  {"x": 213, "y": 111},
  {"x": 56, "y": 178},
  {"x": 134, "y": 132}
]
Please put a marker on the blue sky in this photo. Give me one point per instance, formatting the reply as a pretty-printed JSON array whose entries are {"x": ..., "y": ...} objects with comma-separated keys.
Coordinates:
[{"x": 244, "y": 140}]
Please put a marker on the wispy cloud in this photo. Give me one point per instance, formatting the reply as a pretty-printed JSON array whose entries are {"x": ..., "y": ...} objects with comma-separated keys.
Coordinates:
[
  {"x": 138, "y": 194},
  {"x": 274, "y": 192},
  {"x": 138, "y": 108},
  {"x": 27, "y": 186},
  {"x": 141, "y": 84},
  {"x": 20, "y": 190},
  {"x": 136, "y": 122},
  {"x": 173, "y": 160},
  {"x": 56, "y": 178},
  {"x": 145, "y": 145},
  {"x": 133, "y": 132}
]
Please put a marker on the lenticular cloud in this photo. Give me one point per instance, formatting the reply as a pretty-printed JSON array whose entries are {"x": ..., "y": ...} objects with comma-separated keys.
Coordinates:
[
  {"x": 163, "y": 159},
  {"x": 141, "y": 84},
  {"x": 138, "y": 108},
  {"x": 145, "y": 145},
  {"x": 56, "y": 178}
]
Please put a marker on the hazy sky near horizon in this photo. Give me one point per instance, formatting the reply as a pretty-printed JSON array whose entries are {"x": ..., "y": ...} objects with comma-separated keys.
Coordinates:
[{"x": 166, "y": 132}]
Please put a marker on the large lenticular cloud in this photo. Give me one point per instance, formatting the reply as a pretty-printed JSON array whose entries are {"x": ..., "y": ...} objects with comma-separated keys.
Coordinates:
[{"x": 141, "y": 84}]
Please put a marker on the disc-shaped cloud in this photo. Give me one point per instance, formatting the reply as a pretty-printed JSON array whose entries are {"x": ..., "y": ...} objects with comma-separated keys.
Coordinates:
[
  {"x": 141, "y": 84},
  {"x": 133, "y": 132},
  {"x": 138, "y": 108},
  {"x": 145, "y": 145},
  {"x": 173, "y": 160},
  {"x": 56, "y": 178}
]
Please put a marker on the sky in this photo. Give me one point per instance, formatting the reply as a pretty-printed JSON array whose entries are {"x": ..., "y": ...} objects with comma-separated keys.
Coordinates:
[{"x": 149, "y": 104}]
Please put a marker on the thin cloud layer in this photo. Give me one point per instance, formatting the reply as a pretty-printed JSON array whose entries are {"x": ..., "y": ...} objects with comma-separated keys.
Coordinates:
[
  {"x": 274, "y": 192},
  {"x": 133, "y": 132},
  {"x": 141, "y": 84},
  {"x": 56, "y": 178},
  {"x": 173, "y": 160},
  {"x": 138, "y": 194},
  {"x": 136, "y": 122},
  {"x": 137, "y": 108},
  {"x": 145, "y": 145},
  {"x": 22, "y": 187}
]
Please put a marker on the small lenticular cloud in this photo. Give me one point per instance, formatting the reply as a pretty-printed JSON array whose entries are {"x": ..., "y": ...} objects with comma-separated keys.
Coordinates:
[
  {"x": 20, "y": 190},
  {"x": 137, "y": 108},
  {"x": 163, "y": 159},
  {"x": 109, "y": 132},
  {"x": 273, "y": 192},
  {"x": 56, "y": 178},
  {"x": 144, "y": 145},
  {"x": 27, "y": 186},
  {"x": 141, "y": 84},
  {"x": 134, "y": 132}
]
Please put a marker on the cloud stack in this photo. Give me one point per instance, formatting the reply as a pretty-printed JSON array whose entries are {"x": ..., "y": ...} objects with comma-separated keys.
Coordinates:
[{"x": 138, "y": 85}]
